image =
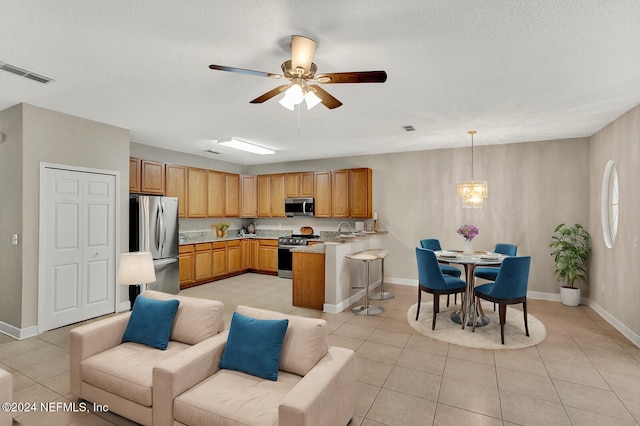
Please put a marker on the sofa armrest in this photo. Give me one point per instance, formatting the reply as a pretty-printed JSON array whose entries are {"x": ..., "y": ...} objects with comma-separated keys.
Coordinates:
[
  {"x": 175, "y": 375},
  {"x": 90, "y": 339},
  {"x": 326, "y": 395}
]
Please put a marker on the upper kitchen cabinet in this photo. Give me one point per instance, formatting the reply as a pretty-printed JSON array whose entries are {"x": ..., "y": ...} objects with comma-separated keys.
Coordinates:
[
  {"x": 176, "y": 186},
  {"x": 215, "y": 194},
  {"x": 152, "y": 177},
  {"x": 340, "y": 193},
  {"x": 271, "y": 195},
  {"x": 134, "y": 175},
  {"x": 277, "y": 195},
  {"x": 322, "y": 192},
  {"x": 196, "y": 192},
  {"x": 231, "y": 195},
  {"x": 360, "y": 193},
  {"x": 248, "y": 206},
  {"x": 299, "y": 185}
]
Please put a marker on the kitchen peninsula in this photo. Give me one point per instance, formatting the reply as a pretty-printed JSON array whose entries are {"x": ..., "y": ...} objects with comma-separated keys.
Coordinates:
[{"x": 341, "y": 274}]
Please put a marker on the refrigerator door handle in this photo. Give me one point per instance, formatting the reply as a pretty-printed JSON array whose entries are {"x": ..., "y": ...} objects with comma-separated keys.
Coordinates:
[
  {"x": 144, "y": 228},
  {"x": 158, "y": 226},
  {"x": 163, "y": 229}
]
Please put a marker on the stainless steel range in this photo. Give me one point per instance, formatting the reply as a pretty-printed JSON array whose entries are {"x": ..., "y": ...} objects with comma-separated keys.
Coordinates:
[{"x": 285, "y": 257}]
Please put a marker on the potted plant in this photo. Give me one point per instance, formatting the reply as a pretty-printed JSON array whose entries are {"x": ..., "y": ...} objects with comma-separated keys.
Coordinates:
[
  {"x": 221, "y": 229},
  {"x": 570, "y": 247}
]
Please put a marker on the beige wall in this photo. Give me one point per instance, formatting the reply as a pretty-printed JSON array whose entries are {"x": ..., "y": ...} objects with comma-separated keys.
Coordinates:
[
  {"x": 614, "y": 273},
  {"x": 11, "y": 215},
  {"x": 53, "y": 137}
]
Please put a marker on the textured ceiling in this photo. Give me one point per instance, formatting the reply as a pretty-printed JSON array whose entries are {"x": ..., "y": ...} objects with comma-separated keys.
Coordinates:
[{"x": 515, "y": 70}]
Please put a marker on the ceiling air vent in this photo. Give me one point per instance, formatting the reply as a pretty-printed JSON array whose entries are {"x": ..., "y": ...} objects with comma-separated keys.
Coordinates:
[
  {"x": 409, "y": 128},
  {"x": 210, "y": 151},
  {"x": 25, "y": 73}
]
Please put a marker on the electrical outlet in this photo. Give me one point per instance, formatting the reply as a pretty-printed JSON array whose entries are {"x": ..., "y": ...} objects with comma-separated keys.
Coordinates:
[
  {"x": 635, "y": 242},
  {"x": 14, "y": 239}
]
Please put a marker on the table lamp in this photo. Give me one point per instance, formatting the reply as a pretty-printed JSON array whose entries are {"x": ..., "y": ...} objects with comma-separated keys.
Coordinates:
[{"x": 136, "y": 268}]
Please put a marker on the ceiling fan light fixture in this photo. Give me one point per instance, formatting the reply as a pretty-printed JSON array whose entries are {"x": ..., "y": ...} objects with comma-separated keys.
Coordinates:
[
  {"x": 311, "y": 99},
  {"x": 302, "y": 50},
  {"x": 292, "y": 97},
  {"x": 245, "y": 146}
]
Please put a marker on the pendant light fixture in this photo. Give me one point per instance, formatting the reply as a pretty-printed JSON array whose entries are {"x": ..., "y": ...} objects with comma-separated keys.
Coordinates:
[{"x": 473, "y": 192}]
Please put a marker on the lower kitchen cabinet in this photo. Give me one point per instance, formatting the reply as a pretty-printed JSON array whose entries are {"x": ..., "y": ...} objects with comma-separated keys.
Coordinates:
[
  {"x": 185, "y": 262},
  {"x": 219, "y": 259},
  {"x": 268, "y": 256},
  {"x": 202, "y": 262},
  {"x": 308, "y": 280}
]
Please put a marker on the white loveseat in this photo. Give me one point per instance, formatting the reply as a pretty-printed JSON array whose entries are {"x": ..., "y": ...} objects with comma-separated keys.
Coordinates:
[
  {"x": 106, "y": 371},
  {"x": 315, "y": 384}
]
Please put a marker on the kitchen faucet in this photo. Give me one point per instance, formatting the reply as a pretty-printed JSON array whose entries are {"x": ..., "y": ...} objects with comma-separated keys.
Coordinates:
[{"x": 344, "y": 223}]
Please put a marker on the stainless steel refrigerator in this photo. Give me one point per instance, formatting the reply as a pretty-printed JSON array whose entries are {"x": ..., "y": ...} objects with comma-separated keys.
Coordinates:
[{"x": 153, "y": 227}]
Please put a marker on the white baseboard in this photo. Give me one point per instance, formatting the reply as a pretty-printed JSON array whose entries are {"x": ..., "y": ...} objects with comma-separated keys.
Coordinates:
[
  {"x": 335, "y": 309},
  {"x": 18, "y": 333},
  {"x": 626, "y": 331}
]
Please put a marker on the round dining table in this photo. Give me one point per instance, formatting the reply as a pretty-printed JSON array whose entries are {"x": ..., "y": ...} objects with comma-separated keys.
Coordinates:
[{"x": 470, "y": 262}]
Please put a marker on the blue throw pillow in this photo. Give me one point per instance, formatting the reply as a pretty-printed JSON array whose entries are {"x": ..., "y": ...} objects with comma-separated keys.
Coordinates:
[
  {"x": 253, "y": 346},
  {"x": 151, "y": 321}
]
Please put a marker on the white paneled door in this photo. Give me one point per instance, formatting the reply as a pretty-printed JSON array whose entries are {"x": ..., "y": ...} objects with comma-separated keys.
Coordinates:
[{"x": 78, "y": 247}]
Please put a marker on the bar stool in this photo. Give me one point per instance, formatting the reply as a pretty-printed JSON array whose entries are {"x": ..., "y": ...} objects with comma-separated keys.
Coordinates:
[
  {"x": 380, "y": 254},
  {"x": 365, "y": 309}
]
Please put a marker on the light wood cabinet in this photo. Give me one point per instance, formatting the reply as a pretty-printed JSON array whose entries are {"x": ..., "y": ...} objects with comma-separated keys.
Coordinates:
[
  {"x": 244, "y": 254},
  {"x": 219, "y": 259},
  {"x": 277, "y": 195},
  {"x": 203, "y": 262},
  {"x": 176, "y": 186},
  {"x": 248, "y": 206},
  {"x": 360, "y": 193},
  {"x": 340, "y": 193},
  {"x": 308, "y": 280},
  {"x": 268, "y": 256},
  {"x": 306, "y": 184},
  {"x": 231, "y": 195},
  {"x": 152, "y": 177},
  {"x": 233, "y": 257},
  {"x": 196, "y": 192},
  {"x": 292, "y": 185},
  {"x": 215, "y": 193},
  {"x": 134, "y": 175},
  {"x": 264, "y": 195},
  {"x": 322, "y": 191},
  {"x": 254, "y": 246},
  {"x": 185, "y": 262}
]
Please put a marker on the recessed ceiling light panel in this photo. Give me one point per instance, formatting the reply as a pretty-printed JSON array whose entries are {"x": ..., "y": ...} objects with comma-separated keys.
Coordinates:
[{"x": 245, "y": 146}]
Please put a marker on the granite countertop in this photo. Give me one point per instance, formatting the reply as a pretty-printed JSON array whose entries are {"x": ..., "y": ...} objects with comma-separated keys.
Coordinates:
[
  {"x": 208, "y": 236},
  {"x": 313, "y": 248}
]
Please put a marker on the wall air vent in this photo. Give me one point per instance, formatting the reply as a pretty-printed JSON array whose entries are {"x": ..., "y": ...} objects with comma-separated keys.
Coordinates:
[
  {"x": 210, "y": 151},
  {"x": 25, "y": 73},
  {"x": 409, "y": 128}
]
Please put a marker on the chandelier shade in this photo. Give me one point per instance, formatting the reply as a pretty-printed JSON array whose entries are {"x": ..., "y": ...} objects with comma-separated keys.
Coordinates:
[{"x": 473, "y": 192}]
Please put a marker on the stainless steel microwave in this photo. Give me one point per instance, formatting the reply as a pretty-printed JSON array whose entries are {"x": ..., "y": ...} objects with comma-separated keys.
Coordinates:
[{"x": 298, "y": 207}]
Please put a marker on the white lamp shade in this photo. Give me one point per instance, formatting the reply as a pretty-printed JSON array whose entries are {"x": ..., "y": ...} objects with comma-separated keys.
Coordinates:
[
  {"x": 312, "y": 99},
  {"x": 136, "y": 268}
]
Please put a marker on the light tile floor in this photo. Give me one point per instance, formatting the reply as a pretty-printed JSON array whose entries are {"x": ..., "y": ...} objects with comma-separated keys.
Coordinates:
[{"x": 584, "y": 372}]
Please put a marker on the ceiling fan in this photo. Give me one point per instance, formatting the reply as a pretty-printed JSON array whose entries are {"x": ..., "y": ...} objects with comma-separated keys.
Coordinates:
[{"x": 301, "y": 71}]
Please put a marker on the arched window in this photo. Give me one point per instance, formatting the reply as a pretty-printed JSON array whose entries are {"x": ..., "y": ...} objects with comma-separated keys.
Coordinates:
[{"x": 609, "y": 204}]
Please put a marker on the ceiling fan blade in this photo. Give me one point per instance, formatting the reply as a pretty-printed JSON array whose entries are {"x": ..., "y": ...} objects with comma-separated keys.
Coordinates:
[
  {"x": 302, "y": 50},
  {"x": 244, "y": 71},
  {"x": 326, "y": 99},
  {"x": 270, "y": 94},
  {"x": 353, "y": 77}
]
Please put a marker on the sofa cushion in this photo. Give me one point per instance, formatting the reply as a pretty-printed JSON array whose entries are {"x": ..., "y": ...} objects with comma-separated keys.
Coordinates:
[
  {"x": 234, "y": 398},
  {"x": 304, "y": 344},
  {"x": 151, "y": 321},
  {"x": 127, "y": 369},
  {"x": 196, "y": 320},
  {"x": 253, "y": 346}
]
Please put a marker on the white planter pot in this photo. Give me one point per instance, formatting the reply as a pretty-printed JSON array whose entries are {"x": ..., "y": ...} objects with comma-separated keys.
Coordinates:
[{"x": 570, "y": 296}]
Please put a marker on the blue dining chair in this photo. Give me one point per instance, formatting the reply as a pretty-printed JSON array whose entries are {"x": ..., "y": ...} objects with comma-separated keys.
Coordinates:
[
  {"x": 432, "y": 280},
  {"x": 509, "y": 288},
  {"x": 434, "y": 244},
  {"x": 490, "y": 273}
]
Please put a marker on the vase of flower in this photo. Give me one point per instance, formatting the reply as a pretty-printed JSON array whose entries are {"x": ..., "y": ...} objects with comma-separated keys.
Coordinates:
[{"x": 469, "y": 232}]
